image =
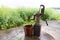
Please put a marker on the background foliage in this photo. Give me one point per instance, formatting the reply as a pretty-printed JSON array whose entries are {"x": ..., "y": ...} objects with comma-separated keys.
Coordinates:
[{"x": 10, "y": 17}]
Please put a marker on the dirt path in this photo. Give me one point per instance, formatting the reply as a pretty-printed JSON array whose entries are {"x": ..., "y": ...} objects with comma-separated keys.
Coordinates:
[
  {"x": 53, "y": 29},
  {"x": 53, "y": 23}
]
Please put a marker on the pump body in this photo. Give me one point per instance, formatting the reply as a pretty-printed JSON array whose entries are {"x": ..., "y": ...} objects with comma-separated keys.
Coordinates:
[{"x": 37, "y": 16}]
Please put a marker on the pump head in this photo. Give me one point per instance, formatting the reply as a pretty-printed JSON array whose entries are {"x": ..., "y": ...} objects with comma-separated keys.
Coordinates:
[{"x": 42, "y": 8}]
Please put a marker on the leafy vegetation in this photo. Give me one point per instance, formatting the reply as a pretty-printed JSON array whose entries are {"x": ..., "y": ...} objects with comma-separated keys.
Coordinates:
[
  {"x": 18, "y": 16},
  {"x": 52, "y": 14},
  {"x": 19, "y": 38}
]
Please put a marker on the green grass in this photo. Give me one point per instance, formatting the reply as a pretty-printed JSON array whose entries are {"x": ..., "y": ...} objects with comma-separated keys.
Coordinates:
[
  {"x": 18, "y": 16},
  {"x": 19, "y": 38},
  {"x": 52, "y": 14}
]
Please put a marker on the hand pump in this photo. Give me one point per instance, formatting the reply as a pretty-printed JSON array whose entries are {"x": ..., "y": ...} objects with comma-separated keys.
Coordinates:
[{"x": 37, "y": 25}]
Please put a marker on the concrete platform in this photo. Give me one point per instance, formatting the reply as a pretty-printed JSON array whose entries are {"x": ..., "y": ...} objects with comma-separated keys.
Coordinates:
[
  {"x": 15, "y": 33},
  {"x": 47, "y": 33},
  {"x": 44, "y": 36}
]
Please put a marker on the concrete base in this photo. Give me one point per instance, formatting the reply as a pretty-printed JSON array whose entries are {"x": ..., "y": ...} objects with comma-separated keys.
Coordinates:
[{"x": 44, "y": 36}]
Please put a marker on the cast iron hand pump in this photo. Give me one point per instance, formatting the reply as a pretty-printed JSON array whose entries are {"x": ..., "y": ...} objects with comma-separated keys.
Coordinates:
[{"x": 37, "y": 16}]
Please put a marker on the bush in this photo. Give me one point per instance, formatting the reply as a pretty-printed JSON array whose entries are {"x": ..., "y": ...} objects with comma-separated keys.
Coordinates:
[
  {"x": 16, "y": 17},
  {"x": 52, "y": 14}
]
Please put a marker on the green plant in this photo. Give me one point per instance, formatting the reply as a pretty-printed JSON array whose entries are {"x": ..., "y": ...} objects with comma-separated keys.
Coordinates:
[
  {"x": 19, "y": 38},
  {"x": 18, "y": 16}
]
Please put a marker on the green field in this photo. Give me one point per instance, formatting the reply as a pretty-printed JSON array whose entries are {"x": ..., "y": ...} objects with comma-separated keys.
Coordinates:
[{"x": 12, "y": 17}]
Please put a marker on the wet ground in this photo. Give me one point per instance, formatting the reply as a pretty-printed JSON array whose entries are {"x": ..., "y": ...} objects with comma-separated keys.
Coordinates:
[
  {"x": 14, "y": 34},
  {"x": 44, "y": 36},
  {"x": 51, "y": 32}
]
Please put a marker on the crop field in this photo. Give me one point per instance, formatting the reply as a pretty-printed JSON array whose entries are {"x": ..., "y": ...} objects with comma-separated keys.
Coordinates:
[{"x": 10, "y": 17}]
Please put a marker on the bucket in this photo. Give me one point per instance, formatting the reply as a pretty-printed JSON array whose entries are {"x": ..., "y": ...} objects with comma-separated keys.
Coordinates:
[{"x": 28, "y": 29}]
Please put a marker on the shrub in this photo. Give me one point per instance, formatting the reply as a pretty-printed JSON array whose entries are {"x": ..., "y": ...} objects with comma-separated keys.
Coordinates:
[{"x": 15, "y": 17}]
